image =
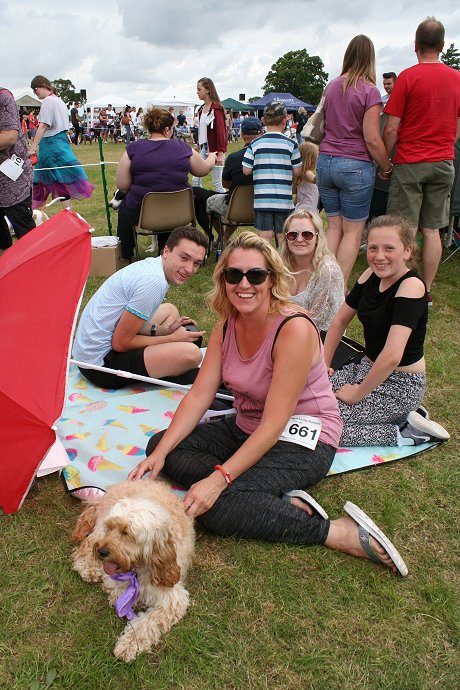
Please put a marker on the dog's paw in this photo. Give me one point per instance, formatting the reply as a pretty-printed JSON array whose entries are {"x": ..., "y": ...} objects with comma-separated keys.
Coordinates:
[
  {"x": 136, "y": 638},
  {"x": 90, "y": 572},
  {"x": 124, "y": 651}
]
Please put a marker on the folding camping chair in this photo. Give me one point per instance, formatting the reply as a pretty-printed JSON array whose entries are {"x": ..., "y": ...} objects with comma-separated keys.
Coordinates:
[
  {"x": 452, "y": 234},
  {"x": 240, "y": 212},
  {"x": 161, "y": 212}
]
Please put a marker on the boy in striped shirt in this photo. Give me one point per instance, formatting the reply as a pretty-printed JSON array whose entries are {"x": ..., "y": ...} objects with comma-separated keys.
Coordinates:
[{"x": 273, "y": 160}]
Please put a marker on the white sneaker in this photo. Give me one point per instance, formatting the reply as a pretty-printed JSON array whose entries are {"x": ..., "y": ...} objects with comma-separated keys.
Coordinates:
[{"x": 422, "y": 430}]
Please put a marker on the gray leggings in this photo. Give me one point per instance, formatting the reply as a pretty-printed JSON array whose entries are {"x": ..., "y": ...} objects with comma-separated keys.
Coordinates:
[
  {"x": 375, "y": 420},
  {"x": 252, "y": 506}
]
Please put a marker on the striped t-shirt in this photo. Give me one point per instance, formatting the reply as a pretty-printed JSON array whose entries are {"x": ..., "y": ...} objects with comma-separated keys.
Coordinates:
[
  {"x": 139, "y": 288},
  {"x": 272, "y": 158}
]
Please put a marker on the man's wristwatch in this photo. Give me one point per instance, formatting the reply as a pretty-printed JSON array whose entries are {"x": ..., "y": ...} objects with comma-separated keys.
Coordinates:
[{"x": 153, "y": 330}]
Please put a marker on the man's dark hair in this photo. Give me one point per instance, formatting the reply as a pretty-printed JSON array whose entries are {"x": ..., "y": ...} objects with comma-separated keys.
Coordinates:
[
  {"x": 186, "y": 232},
  {"x": 390, "y": 75},
  {"x": 429, "y": 36}
]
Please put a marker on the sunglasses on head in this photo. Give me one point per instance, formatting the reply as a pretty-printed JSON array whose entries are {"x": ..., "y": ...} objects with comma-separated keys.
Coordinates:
[
  {"x": 292, "y": 235},
  {"x": 255, "y": 276}
]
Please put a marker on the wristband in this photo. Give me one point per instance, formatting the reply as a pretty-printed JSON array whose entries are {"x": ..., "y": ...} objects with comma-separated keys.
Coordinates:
[
  {"x": 226, "y": 474},
  {"x": 153, "y": 330}
]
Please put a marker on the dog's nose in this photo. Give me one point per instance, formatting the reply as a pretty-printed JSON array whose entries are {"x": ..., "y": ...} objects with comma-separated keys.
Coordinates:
[{"x": 103, "y": 553}]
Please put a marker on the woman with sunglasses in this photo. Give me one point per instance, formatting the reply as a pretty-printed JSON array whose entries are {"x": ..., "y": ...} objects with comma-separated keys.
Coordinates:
[
  {"x": 317, "y": 283},
  {"x": 240, "y": 471}
]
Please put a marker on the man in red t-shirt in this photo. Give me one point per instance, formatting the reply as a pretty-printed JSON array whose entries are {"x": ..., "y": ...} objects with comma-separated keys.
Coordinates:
[{"x": 424, "y": 122}]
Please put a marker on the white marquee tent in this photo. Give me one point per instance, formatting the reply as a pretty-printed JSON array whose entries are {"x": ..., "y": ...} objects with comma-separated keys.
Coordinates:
[
  {"x": 172, "y": 98},
  {"x": 28, "y": 101},
  {"x": 103, "y": 101}
]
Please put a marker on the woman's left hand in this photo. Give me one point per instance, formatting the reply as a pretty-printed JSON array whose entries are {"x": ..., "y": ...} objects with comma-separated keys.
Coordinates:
[
  {"x": 349, "y": 393},
  {"x": 202, "y": 495}
]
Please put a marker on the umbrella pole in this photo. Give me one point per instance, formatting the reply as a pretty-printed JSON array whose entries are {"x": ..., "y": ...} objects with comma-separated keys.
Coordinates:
[
  {"x": 104, "y": 186},
  {"x": 138, "y": 377}
]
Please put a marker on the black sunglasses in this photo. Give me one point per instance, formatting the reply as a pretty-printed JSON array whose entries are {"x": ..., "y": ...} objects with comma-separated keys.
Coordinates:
[
  {"x": 255, "y": 276},
  {"x": 292, "y": 235}
]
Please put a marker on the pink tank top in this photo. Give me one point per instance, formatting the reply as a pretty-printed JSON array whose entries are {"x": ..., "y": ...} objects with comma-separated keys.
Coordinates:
[{"x": 250, "y": 379}]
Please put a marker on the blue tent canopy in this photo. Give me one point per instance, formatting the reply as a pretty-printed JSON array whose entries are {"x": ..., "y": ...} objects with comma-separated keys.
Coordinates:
[{"x": 290, "y": 101}]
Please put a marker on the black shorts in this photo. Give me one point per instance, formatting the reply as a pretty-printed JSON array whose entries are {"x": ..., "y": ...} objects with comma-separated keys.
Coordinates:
[{"x": 132, "y": 361}]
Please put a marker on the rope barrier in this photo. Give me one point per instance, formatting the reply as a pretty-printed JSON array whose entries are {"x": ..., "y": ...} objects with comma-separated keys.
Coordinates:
[{"x": 79, "y": 165}]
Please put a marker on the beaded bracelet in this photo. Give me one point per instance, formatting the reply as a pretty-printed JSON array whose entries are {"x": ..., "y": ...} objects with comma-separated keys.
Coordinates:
[{"x": 226, "y": 474}]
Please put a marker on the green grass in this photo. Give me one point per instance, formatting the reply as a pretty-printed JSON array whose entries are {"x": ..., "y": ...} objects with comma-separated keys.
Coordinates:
[{"x": 262, "y": 616}]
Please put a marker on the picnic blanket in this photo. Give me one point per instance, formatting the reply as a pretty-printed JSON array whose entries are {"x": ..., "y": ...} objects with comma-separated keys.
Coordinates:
[{"x": 105, "y": 433}]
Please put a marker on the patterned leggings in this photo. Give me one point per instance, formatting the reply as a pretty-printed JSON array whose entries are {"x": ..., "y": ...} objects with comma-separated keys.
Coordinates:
[
  {"x": 252, "y": 506},
  {"x": 375, "y": 420}
]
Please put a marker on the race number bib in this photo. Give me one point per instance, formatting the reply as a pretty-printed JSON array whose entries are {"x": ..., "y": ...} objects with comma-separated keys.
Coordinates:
[
  {"x": 12, "y": 167},
  {"x": 303, "y": 430}
]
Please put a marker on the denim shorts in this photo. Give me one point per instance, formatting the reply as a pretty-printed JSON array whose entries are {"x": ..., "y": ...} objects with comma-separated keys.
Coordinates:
[{"x": 345, "y": 186}]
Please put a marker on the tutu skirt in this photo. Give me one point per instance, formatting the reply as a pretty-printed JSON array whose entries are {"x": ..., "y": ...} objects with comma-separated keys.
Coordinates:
[{"x": 71, "y": 183}]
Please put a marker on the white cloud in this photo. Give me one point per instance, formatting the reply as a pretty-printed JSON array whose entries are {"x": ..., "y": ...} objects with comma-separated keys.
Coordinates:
[{"x": 139, "y": 48}]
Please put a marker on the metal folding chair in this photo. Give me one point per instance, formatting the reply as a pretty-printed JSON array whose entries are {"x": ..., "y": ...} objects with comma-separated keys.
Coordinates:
[
  {"x": 240, "y": 212},
  {"x": 161, "y": 212}
]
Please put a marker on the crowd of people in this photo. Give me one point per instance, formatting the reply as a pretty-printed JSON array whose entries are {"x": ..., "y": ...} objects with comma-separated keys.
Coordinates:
[{"x": 246, "y": 474}]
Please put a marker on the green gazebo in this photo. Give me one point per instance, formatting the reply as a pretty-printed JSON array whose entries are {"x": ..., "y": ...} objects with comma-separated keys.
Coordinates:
[{"x": 236, "y": 106}]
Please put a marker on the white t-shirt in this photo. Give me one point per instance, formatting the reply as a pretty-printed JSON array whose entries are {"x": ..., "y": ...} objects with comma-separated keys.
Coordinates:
[
  {"x": 54, "y": 113},
  {"x": 139, "y": 288},
  {"x": 203, "y": 127}
]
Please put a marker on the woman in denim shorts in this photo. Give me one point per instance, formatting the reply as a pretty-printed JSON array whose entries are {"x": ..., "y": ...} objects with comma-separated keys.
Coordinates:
[{"x": 352, "y": 141}]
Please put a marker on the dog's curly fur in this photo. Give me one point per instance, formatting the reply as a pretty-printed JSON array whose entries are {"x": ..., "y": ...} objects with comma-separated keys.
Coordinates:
[{"x": 139, "y": 526}]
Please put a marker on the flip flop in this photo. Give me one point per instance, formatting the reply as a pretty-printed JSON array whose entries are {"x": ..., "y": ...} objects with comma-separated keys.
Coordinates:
[
  {"x": 367, "y": 529},
  {"x": 306, "y": 498}
]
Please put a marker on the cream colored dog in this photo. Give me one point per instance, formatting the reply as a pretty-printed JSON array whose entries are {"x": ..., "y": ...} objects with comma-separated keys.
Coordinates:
[
  {"x": 39, "y": 217},
  {"x": 138, "y": 527}
]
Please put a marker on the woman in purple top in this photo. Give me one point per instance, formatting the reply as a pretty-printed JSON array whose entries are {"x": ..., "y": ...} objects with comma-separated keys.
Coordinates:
[
  {"x": 345, "y": 171},
  {"x": 244, "y": 473},
  {"x": 157, "y": 164}
]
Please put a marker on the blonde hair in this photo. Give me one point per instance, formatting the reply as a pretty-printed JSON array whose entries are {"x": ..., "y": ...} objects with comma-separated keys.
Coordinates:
[
  {"x": 309, "y": 155},
  {"x": 321, "y": 249},
  {"x": 280, "y": 294},
  {"x": 359, "y": 62}
]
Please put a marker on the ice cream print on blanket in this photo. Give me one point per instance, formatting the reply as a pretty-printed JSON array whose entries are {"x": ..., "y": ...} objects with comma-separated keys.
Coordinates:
[{"x": 105, "y": 433}]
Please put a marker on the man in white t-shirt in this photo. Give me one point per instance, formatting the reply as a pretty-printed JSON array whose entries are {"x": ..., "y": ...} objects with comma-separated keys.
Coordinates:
[
  {"x": 126, "y": 326},
  {"x": 110, "y": 120}
]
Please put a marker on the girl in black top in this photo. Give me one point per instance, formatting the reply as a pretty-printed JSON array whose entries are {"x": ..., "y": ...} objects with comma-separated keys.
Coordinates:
[{"x": 377, "y": 397}]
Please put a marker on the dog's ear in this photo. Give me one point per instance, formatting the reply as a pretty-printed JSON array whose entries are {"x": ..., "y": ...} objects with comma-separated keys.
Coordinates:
[
  {"x": 165, "y": 571},
  {"x": 84, "y": 525}
]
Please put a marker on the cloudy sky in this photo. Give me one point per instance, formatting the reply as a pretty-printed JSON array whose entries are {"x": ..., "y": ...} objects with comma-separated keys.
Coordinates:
[{"x": 137, "y": 48}]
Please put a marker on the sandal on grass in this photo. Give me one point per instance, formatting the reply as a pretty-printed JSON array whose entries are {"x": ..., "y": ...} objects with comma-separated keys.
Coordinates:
[
  {"x": 368, "y": 529},
  {"x": 306, "y": 498}
]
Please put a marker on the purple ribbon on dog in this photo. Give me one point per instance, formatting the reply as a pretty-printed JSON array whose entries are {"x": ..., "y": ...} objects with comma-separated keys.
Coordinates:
[{"x": 125, "y": 602}]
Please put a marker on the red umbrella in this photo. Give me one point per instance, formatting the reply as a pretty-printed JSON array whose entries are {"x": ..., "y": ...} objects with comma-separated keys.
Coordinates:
[{"x": 42, "y": 277}]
